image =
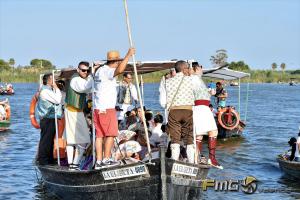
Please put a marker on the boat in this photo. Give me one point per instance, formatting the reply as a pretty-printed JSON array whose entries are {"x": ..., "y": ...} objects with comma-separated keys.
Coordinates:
[
  {"x": 162, "y": 178},
  {"x": 228, "y": 119},
  {"x": 7, "y": 89},
  {"x": 291, "y": 168},
  {"x": 234, "y": 83},
  {"x": 5, "y": 116},
  {"x": 157, "y": 178},
  {"x": 292, "y": 82}
]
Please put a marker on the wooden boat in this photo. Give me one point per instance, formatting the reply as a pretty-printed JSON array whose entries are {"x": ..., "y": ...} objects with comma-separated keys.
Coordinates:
[
  {"x": 289, "y": 167},
  {"x": 228, "y": 119},
  {"x": 163, "y": 178},
  {"x": 234, "y": 83},
  {"x": 5, "y": 122}
]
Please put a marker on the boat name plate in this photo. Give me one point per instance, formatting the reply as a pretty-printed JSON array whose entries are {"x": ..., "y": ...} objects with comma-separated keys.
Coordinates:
[
  {"x": 184, "y": 170},
  {"x": 125, "y": 172}
]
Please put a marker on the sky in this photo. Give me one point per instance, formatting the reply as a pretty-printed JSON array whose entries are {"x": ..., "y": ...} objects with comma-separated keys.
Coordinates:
[{"x": 259, "y": 32}]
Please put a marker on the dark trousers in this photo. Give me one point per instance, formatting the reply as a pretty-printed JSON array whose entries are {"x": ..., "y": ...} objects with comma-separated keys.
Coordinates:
[
  {"x": 180, "y": 126},
  {"x": 45, "y": 154}
]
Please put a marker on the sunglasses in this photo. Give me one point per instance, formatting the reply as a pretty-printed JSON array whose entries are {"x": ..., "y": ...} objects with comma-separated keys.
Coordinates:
[{"x": 85, "y": 70}]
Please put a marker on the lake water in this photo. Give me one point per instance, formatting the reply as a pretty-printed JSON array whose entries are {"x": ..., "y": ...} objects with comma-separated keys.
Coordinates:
[{"x": 273, "y": 117}]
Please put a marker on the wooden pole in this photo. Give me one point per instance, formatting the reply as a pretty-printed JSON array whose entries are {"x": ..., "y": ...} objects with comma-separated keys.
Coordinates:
[
  {"x": 56, "y": 126},
  {"x": 137, "y": 81}
]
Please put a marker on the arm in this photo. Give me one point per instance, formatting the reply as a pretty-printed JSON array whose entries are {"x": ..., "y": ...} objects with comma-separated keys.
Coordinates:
[
  {"x": 134, "y": 93},
  {"x": 120, "y": 69},
  {"x": 81, "y": 85},
  {"x": 162, "y": 93},
  {"x": 292, "y": 157}
]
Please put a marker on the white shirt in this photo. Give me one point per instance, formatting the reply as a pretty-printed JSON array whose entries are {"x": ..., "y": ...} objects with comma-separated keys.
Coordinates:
[
  {"x": 297, "y": 153},
  {"x": 105, "y": 88},
  {"x": 81, "y": 85},
  {"x": 156, "y": 134},
  {"x": 162, "y": 92},
  {"x": 51, "y": 95}
]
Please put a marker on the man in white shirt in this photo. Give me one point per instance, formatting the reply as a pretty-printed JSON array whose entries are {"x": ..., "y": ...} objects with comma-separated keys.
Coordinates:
[
  {"x": 127, "y": 95},
  {"x": 77, "y": 131},
  {"x": 105, "y": 116},
  {"x": 49, "y": 100}
]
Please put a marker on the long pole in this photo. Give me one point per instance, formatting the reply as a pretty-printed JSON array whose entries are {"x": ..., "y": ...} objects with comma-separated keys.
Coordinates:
[
  {"x": 56, "y": 127},
  {"x": 93, "y": 109},
  {"x": 142, "y": 87},
  {"x": 137, "y": 81}
]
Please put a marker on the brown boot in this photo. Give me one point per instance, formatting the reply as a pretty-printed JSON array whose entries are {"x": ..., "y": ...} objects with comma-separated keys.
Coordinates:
[{"x": 212, "y": 143}]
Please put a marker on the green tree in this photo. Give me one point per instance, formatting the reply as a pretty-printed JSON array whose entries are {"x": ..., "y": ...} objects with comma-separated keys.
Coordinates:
[
  {"x": 4, "y": 65},
  {"x": 239, "y": 66},
  {"x": 220, "y": 58},
  {"x": 11, "y": 62},
  {"x": 274, "y": 66},
  {"x": 282, "y": 67},
  {"x": 41, "y": 63}
]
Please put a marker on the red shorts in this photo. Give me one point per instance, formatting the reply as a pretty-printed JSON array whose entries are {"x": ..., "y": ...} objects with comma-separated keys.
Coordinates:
[{"x": 106, "y": 124}]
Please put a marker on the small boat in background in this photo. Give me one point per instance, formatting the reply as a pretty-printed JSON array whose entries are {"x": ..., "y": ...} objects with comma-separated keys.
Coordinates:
[
  {"x": 292, "y": 82},
  {"x": 7, "y": 89},
  {"x": 4, "y": 115},
  {"x": 234, "y": 83},
  {"x": 291, "y": 168}
]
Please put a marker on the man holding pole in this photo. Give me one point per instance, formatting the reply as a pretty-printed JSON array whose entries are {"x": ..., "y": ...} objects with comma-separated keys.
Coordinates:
[
  {"x": 105, "y": 116},
  {"x": 49, "y": 97}
]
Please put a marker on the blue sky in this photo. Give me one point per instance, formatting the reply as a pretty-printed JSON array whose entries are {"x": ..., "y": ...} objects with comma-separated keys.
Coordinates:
[{"x": 65, "y": 32}]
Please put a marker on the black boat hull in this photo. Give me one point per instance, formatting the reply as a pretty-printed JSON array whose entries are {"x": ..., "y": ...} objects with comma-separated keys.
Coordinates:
[
  {"x": 290, "y": 168},
  {"x": 160, "y": 182}
]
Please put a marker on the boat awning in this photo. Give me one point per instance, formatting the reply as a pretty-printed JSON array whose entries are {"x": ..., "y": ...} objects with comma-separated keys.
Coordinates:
[
  {"x": 224, "y": 74},
  {"x": 142, "y": 68}
]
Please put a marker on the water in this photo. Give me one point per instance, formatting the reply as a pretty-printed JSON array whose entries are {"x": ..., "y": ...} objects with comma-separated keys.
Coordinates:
[{"x": 273, "y": 117}]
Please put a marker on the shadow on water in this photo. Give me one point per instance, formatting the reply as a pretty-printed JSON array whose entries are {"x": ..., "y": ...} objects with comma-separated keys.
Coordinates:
[{"x": 42, "y": 193}]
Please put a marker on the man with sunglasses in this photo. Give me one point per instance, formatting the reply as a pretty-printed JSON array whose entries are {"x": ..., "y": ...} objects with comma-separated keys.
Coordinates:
[
  {"x": 127, "y": 95},
  {"x": 77, "y": 131}
]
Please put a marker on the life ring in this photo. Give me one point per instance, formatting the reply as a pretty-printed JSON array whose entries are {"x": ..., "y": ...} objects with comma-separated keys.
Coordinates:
[
  {"x": 33, "y": 103},
  {"x": 7, "y": 111},
  {"x": 228, "y": 118}
]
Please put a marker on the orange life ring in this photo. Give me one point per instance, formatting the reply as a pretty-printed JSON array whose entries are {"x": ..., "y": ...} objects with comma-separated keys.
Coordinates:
[
  {"x": 7, "y": 111},
  {"x": 228, "y": 118},
  {"x": 62, "y": 143},
  {"x": 33, "y": 103}
]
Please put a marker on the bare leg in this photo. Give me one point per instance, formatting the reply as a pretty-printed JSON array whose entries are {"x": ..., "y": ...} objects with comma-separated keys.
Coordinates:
[
  {"x": 198, "y": 145},
  {"x": 109, "y": 142},
  {"x": 99, "y": 151}
]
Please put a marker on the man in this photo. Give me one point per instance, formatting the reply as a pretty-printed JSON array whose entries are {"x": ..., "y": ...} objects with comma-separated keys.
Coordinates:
[
  {"x": 127, "y": 95},
  {"x": 179, "y": 101},
  {"x": 49, "y": 99},
  {"x": 105, "y": 116},
  {"x": 221, "y": 95},
  {"x": 77, "y": 131},
  {"x": 204, "y": 121}
]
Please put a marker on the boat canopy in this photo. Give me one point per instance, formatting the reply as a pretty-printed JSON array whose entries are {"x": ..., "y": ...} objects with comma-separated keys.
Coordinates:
[
  {"x": 224, "y": 73},
  {"x": 144, "y": 67}
]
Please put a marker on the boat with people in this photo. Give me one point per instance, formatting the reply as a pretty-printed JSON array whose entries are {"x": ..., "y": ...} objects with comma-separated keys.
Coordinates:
[
  {"x": 155, "y": 177},
  {"x": 4, "y": 115},
  {"x": 234, "y": 83},
  {"x": 7, "y": 89},
  {"x": 228, "y": 117},
  {"x": 291, "y": 168}
]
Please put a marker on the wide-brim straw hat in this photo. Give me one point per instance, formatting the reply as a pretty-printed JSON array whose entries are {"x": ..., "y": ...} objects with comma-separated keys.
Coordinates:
[{"x": 113, "y": 56}]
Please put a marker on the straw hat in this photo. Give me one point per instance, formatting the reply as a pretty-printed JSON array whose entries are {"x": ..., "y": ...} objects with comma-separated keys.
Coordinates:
[{"x": 113, "y": 56}]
